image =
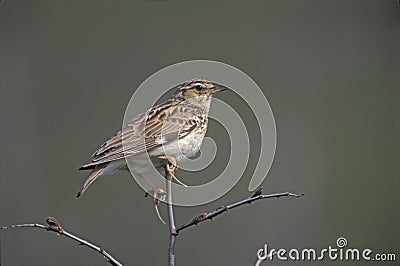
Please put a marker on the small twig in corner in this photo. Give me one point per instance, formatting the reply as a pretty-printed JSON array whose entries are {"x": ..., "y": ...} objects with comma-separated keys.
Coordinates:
[
  {"x": 54, "y": 226},
  {"x": 260, "y": 260}
]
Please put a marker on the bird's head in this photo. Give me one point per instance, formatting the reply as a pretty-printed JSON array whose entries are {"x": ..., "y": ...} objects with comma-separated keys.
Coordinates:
[{"x": 198, "y": 87}]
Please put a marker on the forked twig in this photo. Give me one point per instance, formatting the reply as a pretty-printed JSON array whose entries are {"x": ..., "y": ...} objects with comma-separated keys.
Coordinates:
[{"x": 174, "y": 230}]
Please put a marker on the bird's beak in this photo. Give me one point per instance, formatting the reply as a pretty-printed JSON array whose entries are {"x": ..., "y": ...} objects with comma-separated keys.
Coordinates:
[{"x": 218, "y": 88}]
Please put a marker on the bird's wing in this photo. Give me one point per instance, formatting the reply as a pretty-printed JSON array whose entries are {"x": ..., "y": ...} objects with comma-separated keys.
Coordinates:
[{"x": 160, "y": 125}]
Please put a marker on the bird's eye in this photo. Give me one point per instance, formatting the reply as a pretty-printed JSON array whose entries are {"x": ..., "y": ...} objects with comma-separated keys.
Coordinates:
[{"x": 199, "y": 88}]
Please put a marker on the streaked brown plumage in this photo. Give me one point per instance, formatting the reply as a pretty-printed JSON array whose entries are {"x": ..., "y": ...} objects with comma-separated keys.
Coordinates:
[{"x": 174, "y": 128}]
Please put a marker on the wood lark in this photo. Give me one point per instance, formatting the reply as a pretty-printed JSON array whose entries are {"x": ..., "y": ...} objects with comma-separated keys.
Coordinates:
[{"x": 173, "y": 129}]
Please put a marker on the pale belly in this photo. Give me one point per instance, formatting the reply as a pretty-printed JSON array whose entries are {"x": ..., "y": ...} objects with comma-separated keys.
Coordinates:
[{"x": 182, "y": 149}]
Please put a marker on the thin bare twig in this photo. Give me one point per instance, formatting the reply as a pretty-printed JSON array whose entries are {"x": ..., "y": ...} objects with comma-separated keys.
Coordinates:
[
  {"x": 169, "y": 174},
  {"x": 209, "y": 216},
  {"x": 260, "y": 260},
  {"x": 54, "y": 226}
]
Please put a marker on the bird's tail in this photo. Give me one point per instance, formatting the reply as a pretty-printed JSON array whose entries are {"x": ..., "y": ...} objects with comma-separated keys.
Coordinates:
[{"x": 91, "y": 178}]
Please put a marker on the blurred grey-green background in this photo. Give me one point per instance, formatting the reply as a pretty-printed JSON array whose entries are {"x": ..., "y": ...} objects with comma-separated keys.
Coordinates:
[{"x": 330, "y": 70}]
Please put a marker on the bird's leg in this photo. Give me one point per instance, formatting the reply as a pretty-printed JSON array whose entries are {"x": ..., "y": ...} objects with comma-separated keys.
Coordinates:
[
  {"x": 177, "y": 180},
  {"x": 158, "y": 194},
  {"x": 171, "y": 166}
]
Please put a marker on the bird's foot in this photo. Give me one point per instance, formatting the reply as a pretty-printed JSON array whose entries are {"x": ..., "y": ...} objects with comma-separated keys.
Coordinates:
[
  {"x": 170, "y": 167},
  {"x": 158, "y": 194}
]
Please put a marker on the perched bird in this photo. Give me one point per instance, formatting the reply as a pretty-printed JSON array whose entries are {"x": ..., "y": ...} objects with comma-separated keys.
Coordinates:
[{"x": 174, "y": 128}]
